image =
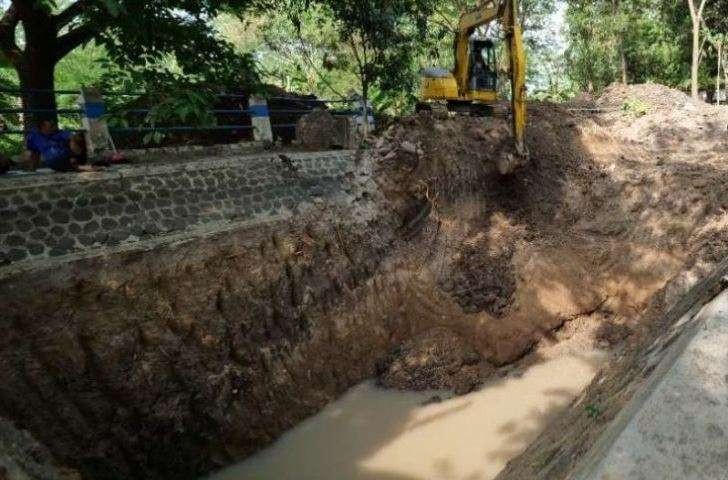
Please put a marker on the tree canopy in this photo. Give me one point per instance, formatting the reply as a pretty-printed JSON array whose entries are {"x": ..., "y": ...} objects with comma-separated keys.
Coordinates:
[
  {"x": 639, "y": 41},
  {"x": 133, "y": 33},
  {"x": 335, "y": 47}
]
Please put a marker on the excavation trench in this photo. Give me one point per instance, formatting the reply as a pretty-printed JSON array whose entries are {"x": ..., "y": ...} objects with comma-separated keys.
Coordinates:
[{"x": 436, "y": 277}]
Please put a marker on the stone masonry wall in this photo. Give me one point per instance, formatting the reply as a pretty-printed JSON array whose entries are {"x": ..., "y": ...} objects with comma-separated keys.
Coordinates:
[{"x": 61, "y": 214}]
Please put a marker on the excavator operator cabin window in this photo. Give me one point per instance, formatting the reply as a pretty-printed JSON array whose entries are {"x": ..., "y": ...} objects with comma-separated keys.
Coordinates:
[{"x": 483, "y": 68}]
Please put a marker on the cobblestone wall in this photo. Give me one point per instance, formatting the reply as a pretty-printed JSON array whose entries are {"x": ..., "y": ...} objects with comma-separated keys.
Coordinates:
[{"x": 61, "y": 214}]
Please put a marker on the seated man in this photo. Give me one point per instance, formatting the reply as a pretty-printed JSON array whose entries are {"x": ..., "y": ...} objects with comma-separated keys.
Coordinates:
[{"x": 56, "y": 149}]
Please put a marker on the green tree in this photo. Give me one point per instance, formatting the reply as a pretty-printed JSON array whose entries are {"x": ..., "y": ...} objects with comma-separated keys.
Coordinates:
[
  {"x": 381, "y": 37},
  {"x": 592, "y": 37},
  {"x": 133, "y": 33},
  {"x": 715, "y": 34},
  {"x": 627, "y": 41},
  {"x": 303, "y": 56}
]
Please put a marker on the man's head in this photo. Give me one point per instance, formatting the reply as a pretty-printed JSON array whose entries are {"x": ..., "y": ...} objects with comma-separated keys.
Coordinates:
[{"x": 47, "y": 127}]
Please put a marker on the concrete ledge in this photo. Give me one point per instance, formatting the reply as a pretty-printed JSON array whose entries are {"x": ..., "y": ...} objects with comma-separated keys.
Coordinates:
[
  {"x": 67, "y": 214},
  {"x": 677, "y": 426}
]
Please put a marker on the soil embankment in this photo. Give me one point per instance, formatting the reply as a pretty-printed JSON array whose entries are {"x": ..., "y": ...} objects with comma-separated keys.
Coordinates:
[{"x": 436, "y": 273}]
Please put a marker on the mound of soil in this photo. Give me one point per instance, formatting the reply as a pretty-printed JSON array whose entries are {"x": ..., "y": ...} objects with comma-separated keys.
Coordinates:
[
  {"x": 655, "y": 95},
  {"x": 670, "y": 122},
  {"x": 597, "y": 223},
  {"x": 439, "y": 359}
]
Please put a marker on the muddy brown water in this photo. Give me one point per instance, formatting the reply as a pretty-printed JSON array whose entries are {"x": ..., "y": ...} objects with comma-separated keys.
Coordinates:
[{"x": 376, "y": 434}]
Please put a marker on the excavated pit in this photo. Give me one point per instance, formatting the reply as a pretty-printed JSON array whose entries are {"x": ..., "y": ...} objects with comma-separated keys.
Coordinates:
[{"x": 433, "y": 272}]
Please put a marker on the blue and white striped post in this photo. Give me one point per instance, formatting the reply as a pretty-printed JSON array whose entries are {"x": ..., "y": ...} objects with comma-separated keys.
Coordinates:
[
  {"x": 364, "y": 118},
  {"x": 97, "y": 135},
  {"x": 260, "y": 119}
]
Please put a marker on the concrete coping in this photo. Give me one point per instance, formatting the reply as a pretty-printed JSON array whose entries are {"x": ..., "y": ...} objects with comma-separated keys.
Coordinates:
[{"x": 132, "y": 170}]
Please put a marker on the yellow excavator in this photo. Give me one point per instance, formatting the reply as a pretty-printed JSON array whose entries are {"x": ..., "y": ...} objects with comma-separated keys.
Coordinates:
[{"x": 472, "y": 86}]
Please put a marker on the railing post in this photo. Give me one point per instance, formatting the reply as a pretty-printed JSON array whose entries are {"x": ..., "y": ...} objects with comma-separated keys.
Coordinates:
[
  {"x": 260, "y": 119},
  {"x": 364, "y": 121},
  {"x": 97, "y": 135}
]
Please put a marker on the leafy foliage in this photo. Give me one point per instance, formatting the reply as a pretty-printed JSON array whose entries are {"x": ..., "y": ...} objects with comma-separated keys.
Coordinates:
[
  {"x": 170, "y": 36},
  {"x": 382, "y": 37},
  {"x": 654, "y": 37},
  {"x": 146, "y": 38},
  {"x": 173, "y": 106},
  {"x": 636, "y": 107}
]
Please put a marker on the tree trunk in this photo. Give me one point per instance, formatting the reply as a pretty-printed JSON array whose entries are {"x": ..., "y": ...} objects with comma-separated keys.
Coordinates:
[
  {"x": 365, "y": 104},
  {"x": 725, "y": 70},
  {"x": 696, "y": 59},
  {"x": 620, "y": 40},
  {"x": 37, "y": 82},
  {"x": 37, "y": 64}
]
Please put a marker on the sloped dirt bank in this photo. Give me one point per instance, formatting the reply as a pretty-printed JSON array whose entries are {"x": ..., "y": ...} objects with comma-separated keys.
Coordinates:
[
  {"x": 174, "y": 362},
  {"x": 672, "y": 159}
]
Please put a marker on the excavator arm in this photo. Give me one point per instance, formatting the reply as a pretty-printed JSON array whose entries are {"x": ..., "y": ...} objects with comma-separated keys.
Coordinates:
[{"x": 517, "y": 57}]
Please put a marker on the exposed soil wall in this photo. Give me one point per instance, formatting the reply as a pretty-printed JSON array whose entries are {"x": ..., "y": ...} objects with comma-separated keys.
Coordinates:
[{"x": 167, "y": 364}]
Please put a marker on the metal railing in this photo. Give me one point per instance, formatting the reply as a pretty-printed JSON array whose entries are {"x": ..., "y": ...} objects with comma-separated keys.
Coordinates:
[{"x": 278, "y": 110}]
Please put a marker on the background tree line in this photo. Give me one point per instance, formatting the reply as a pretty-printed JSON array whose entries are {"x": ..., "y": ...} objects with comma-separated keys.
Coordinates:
[
  {"x": 636, "y": 41},
  {"x": 333, "y": 48}
]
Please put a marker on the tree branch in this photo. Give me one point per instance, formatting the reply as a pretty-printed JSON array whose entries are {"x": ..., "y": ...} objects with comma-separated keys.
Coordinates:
[
  {"x": 445, "y": 20},
  {"x": 8, "y": 24},
  {"x": 700, "y": 9},
  {"x": 74, "y": 38},
  {"x": 307, "y": 57},
  {"x": 71, "y": 13}
]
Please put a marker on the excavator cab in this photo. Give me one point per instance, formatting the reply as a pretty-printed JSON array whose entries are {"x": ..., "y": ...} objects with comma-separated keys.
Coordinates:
[{"x": 483, "y": 65}]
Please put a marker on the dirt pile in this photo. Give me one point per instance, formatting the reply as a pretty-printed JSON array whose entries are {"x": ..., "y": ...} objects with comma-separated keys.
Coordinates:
[
  {"x": 435, "y": 157},
  {"x": 594, "y": 227},
  {"x": 661, "y": 118},
  {"x": 438, "y": 359},
  {"x": 656, "y": 202},
  {"x": 655, "y": 96}
]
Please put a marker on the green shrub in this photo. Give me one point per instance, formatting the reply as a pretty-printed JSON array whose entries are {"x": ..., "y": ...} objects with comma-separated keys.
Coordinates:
[{"x": 636, "y": 107}]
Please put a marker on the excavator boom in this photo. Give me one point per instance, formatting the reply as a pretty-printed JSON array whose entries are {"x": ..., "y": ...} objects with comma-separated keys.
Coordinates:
[{"x": 517, "y": 57}]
